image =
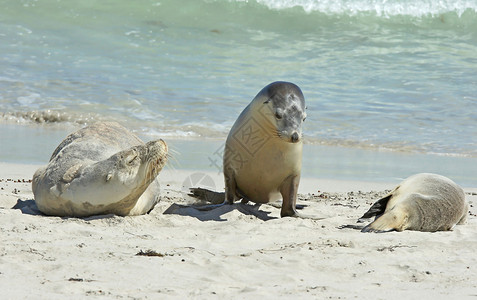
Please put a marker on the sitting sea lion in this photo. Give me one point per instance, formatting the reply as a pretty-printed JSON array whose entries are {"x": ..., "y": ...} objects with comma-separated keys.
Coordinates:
[
  {"x": 100, "y": 169},
  {"x": 263, "y": 151}
]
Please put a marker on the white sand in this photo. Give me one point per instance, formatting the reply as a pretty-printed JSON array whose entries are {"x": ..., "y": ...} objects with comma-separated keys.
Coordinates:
[{"x": 227, "y": 253}]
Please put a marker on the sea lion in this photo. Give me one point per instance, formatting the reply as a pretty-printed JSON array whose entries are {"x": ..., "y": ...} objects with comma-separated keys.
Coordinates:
[
  {"x": 263, "y": 151},
  {"x": 422, "y": 202},
  {"x": 100, "y": 169}
]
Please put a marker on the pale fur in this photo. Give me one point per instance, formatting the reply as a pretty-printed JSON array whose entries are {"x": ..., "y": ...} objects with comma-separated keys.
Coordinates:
[
  {"x": 422, "y": 202},
  {"x": 100, "y": 169}
]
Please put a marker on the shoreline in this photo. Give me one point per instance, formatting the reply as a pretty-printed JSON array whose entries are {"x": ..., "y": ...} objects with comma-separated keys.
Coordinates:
[
  {"x": 34, "y": 145},
  {"x": 176, "y": 178}
]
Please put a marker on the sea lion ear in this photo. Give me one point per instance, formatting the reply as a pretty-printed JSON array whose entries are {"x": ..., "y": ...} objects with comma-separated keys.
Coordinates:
[{"x": 109, "y": 176}]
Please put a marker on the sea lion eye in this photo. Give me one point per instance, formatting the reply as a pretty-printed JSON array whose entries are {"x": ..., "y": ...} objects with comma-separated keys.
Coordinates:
[
  {"x": 278, "y": 115},
  {"x": 133, "y": 159},
  {"x": 304, "y": 118}
]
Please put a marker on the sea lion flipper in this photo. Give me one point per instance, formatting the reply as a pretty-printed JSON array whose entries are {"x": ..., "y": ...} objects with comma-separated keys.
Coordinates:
[
  {"x": 377, "y": 208},
  {"x": 289, "y": 191},
  {"x": 71, "y": 173},
  {"x": 395, "y": 219},
  {"x": 207, "y": 195}
]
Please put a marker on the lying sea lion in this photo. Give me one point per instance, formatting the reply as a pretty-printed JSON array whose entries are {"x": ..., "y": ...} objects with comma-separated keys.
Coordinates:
[
  {"x": 422, "y": 202},
  {"x": 100, "y": 169}
]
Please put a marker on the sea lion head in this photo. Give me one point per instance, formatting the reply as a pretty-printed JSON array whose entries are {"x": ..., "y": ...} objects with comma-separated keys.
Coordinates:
[
  {"x": 138, "y": 165},
  {"x": 284, "y": 107}
]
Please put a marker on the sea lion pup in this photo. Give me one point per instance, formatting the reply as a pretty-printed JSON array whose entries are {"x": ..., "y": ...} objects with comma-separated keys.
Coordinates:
[
  {"x": 263, "y": 152},
  {"x": 422, "y": 202},
  {"x": 100, "y": 169}
]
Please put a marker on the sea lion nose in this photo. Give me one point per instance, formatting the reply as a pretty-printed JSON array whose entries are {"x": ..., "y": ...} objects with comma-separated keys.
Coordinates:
[{"x": 295, "y": 137}]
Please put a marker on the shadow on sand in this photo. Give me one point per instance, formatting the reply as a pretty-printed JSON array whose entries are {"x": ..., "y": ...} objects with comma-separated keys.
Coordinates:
[
  {"x": 216, "y": 214},
  {"x": 28, "y": 207}
]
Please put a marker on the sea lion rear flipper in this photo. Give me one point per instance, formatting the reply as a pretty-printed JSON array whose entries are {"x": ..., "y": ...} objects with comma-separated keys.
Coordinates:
[
  {"x": 207, "y": 195},
  {"x": 377, "y": 209}
]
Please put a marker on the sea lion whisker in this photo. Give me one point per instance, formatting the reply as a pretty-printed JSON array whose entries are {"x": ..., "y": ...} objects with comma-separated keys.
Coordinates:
[
  {"x": 172, "y": 162},
  {"x": 173, "y": 151}
]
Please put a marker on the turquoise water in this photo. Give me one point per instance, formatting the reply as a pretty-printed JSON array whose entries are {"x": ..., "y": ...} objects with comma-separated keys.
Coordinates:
[{"x": 397, "y": 76}]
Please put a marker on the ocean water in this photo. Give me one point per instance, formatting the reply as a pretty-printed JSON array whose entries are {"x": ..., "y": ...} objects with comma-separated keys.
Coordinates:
[{"x": 386, "y": 78}]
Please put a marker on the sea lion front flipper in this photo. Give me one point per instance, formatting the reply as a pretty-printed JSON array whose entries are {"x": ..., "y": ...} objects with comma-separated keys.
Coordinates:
[
  {"x": 395, "y": 219},
  {"x": 71, "y": 173},
  {"x": 377, "y": 209},
  {"x": 289, "y": 190}
]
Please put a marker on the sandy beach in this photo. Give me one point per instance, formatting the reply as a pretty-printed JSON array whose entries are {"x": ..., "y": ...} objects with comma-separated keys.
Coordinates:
[{"x": 228, "y": 252}]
